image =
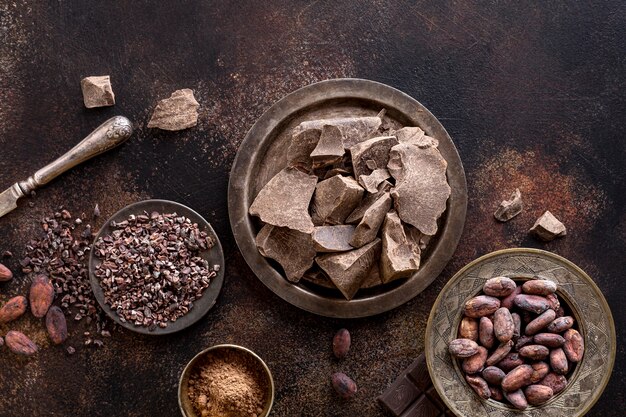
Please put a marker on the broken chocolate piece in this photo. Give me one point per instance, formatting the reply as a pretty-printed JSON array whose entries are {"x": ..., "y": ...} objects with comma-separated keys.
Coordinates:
[
  {"x": 509, "y": 208},
  {"x": 372, "y": 181},
  {"x": 367, "y": 229},
  {"x": 97, "y": 91},
  {"x": 415, "y": 136},
  {"x": 375, "y": 149},
  {"x": 421, "y": 189},
  {"x": 284, "y": 200},
  {"x": 548, "y": 227},
  {"x": 373, "y": 277},
  {"x": 178, "y": 112},
  {"x": 329, "y": 148},
  {"x": 371, "y": 164},
  {"x": 334, "y": 199},
  {"x": 353, "y": 129},
  {"x": 400, "y": 255},
  {"x": 357, "y": 214},
  {"x": 348, "y": 270},
  {"x": 293, "y": 250},
  {"x": 318, "y": 277},
  {"x": 333, "y": 238},
  {"x": 301, "y": 146}
]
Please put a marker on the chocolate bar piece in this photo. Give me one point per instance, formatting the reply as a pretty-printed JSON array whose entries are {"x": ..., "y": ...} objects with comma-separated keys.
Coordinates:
[{"x": 412, "y": 394}]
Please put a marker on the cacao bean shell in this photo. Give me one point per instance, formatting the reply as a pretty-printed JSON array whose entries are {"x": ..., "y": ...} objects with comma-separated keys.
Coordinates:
[
  {"x": 19, "y": 343},
  {"x": 499, "y": 353},
  {"x": 480, "y": 306},
  {"x": 533, "y": 303},
  {"x": 341, "y": 343},
  {"x": 493, "y": 375},
  {"x": 517, "y": 378},
  {"x": 554, "y": 381},
  {"x": 485, "y": 332},
  {"x": 343, "y": 385},
  {"x": 558, "y": 361},
  {"x": 41, "y": 295},
  {"x": 503, "y": 325},
  {"x": 539, "y": 287},
  {"x": 574, "y": 346},
  {"x": 499, "y": 287},
  {"x": 468, "y": 329},
  {"x": 560, "y": 324},
  {"x": 540, "y": 322},
  {"x": 538, "y": 394},
  {"x": 534, "y": 352},
  {"x": 56, "y": 325},
  {"x": 13, "y": 309},
  {"x": 479, "y": 385},
  {"x": 517, "y": 399},
  {"x": 551, "y": 340},
  {"x": 475, "y": 363},
  {"x": 463, "y": 348}
]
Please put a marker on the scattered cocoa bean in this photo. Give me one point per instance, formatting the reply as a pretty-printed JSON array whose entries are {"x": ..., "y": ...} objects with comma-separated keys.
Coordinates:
[
  {"x": 479, "y": 385},
  {"x": 574, "y": 346},
  {"x": 463, "y": 348},
  {"x": 560, "y": 324},
  {"x": 508, "y": 301},
  {"x": 539, "y": 287},
  {"x": 485, "y": 332},
  {"x": 500, "y": 353},
  {"x": 517, "y": 399},
  {"x": 499, "y": 286},
  {"x": 503, "y": 325},
  {"x": 554, "y": 381},
  {"x": 517, "y": 378},
  {"x": 41, "y": 295},
  {"x": 551, "y": 340},
  {"x": 522, "y": 341},
  {"x": 5, "y": 273},
  {"x": 533, "y": 303},
  {"x": 56, "y": 325},
  {"x": 540, "y": 370},
  {"x": 534, "y": 352},
  {"x": 480, "y": 306},
  {"x": 476, "y": 362},
  {"x": 468, "y": 329},
  {"x": 343, "y": 385},
  {"x": 558, "y": 361},
  {"x": 493, "y": 375},
  {"x": 19, "y": 343},
  {"x": 540, "y": 322},
  {"x": 13, "y": 309},
  {"x": 341, "y": 343},
  {"x": 496, "y": 393},
  {"x": 538, "y": 394},
  {"x": 510, "y": 362}
]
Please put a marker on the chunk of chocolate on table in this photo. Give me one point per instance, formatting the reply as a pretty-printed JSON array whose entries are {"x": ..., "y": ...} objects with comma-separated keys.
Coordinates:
[
  {"x": 368, "y": 227},
  {"x": 329, "y": 148},
  {"x": 375, "y": 150},
  {"x": 368, "y": 200},
  {"x": 293, "y": 250},
  {"x": 97, "y": 91},
  {"x": 413, "y": 395},
  {"x": 178, "y": 112},
  {"x": 400, "y": 255},
  {"x": 372, "y": 181},
  {"x": 333, "y": 238},
  {"x": 353, "y": 129},
  {"x": 547, "y": 227},
  {"x": 509, "y": 208},
  {"x": 284, "y": 200},
  {"x": 334, "y": 199}
]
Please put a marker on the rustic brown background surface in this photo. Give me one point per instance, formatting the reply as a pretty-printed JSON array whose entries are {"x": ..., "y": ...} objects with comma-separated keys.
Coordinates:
[{"x": 533, "y": 96}]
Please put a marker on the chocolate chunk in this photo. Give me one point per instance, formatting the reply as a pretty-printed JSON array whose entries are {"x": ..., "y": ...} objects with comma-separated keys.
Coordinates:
[
  {"x": 509, "y": 208},
  {"x": 372, "y": 181},
  {"x": 97, "y": 91},
  {"x": 302, "y": 144},
  {"x": 284, "y": 200},
  {"x": 400, "y": 256},
  {"x": 293, "y": 250},
  {"x": 373, "y": 277},
  {"x": 353, "y": 129},
  {"x": 348, "y": 270},
  {"x": 423, "y": 407},
  {"x": 400, "y": 395},
  {"x": 367, "y": 229},
  {"x": 415, "y": 136},
  {"x": 333, "y": 238},
  {"x": 368, "y": 200},
  {"x": 334, "y": 199},
  {"x": 178, "y": 112},
  {"x": 548, "y": 227},
  {"x": 329, "y": 148},
  {"x": 375, "y": 149},
  {"x": 318, "y": 277},
  {"x": 421, "y": 189}
]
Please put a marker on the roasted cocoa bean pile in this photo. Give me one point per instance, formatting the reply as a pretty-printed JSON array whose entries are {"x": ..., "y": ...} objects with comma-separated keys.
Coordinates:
[
  {"x": 516, "y": 343},
  {"x": 150, "y": 270}
]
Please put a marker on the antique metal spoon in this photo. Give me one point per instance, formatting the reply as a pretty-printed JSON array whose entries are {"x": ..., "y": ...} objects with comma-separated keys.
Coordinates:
[{"x": 107, "y": 136}]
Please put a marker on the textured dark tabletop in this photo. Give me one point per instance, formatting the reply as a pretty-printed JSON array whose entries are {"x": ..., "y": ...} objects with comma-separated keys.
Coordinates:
[{"x": 533, "y": 96}]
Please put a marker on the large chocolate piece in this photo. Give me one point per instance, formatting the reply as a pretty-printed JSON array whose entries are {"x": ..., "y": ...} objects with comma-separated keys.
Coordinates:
[
  {"x": 368, "y": 200},
  {"x": 421, "y": 189},
  {"x": 509, "y": 208},
  {"x": 367, "y": 229},
  {"x": 284, "y": 201},
  {"x": 329, "y": 149},
  {"x": 400, "y": 256},
  {"x": 348, "y": 270},
  {"x": 334, "y": 199},
  {"x": 353, "y": 129},
  {"x": 373, "y": 277},
  {"x": 372, "y": 181},
  {"x": 302, "y": 144},
  {"x": 372, "y": 151},
  {"x": 548, "y": 227},
  {"x": 293, "y": 250},
  {"x": 333, "y": 238},
  {"x": 178, "y": 112},
  {"x": 415, "y": 136}
]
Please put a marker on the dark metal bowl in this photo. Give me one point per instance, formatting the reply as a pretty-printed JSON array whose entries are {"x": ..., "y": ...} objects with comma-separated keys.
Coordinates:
[
  {"x": 214, "y": 256},
  {"x": 263, "y": 154}
]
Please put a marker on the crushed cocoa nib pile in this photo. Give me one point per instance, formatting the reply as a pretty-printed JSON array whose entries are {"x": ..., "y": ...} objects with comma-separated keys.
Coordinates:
[{"x": 151, "y": 270}]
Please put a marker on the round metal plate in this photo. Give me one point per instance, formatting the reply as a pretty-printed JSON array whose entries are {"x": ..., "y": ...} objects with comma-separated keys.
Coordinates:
[
  {"x": 575, "y": 287},
  {"x": 263, "y": 154},
  {"x": 215, "y": 256}
]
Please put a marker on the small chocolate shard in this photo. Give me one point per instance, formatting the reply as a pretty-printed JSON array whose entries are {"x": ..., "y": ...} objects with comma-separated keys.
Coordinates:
[
  {"x": 318, "y": 277},
  {"x": 375, "y": 149},
  {"x": 509, "y": 208},
  {"x": 353, "y": 129},
  {"x": 421, "y": 189},
  {"x": 293, "y": 250},
  {"x": 373, "y": 277},
  {"x": 178, "y": 112},
  {"x": 372, "y": 181},
  {"x": 371, "y": 164},
  {"x": 334, "y": 199},
  {"x": 547, "y": 227},
  {"x": 284, "y": 200},
  {"x": 367, "y": 229},
  {"x": 400, "y": 255},
  {"x": 415, "y": 136},
  {"x": 348, "y": 270},
  {"x": 333, "y": 238},
  {"x": 97, "y": 91},
  {"x": 369, "y": 199},
  {"x": 302, "y": 144},
  {"x": 329, "y": 148}
]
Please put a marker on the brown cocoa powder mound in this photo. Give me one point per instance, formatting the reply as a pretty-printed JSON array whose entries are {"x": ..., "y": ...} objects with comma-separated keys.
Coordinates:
[{"x": 229, "y": 385}]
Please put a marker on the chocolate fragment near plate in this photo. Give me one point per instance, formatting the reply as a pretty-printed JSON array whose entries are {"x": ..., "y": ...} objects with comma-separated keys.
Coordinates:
[
  {"x": 334, "y": 199},
  {"x": 509, "y": 208},
  {"x": 367, "y": 229},
  {"x": 97, "y": 91},
  {"x": 369, "y": 199},
  {"x": 333, "y": 238},
  {"x": 372, "y": 181},
  {"x": 400, "y": 255},
  {"x": 547, "y": 227},
  {"x": 178, "y": 112},
  {"x": 374, "y": 149},
  {"x": 415, "y": 136},
  {"x": 293, "y": 250},
  {"x": 329, "y": 148},
  {"x": 353, "y": 129}
]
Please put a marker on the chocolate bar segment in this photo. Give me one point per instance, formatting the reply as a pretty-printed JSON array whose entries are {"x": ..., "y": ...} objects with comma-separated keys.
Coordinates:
[{"x": 423, "y": 407}]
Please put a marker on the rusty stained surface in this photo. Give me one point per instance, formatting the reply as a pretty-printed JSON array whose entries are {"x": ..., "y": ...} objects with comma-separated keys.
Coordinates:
[{"x": 533, "y": 97}]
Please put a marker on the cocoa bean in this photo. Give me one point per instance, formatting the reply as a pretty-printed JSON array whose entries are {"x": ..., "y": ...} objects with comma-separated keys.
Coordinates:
[
  {"x": 468, "y": 329},
  {"x": 517, "y": 378},
  {"x": 522, "y": 341},
  {"x": 480, "y": 306},
  {"x": 538, "y": 394},
  {"x": 19, "y": 343},
  {"x": 508, "y": 300},
  {"x": 539, "y": 287},
  {"x": 5, "y": 273},
  {"x": 463, "y": 348},
  {"x": 510, "y": 362},
  {"x": 540, "y": 370},
  {"x": 496, "y": 393},
  {"x": 499, "y": 353},
  {"x": 554, "y": 381},
  {"x": 533, "y": 303},
  {"x": 41, "y": 295},
  {"x": 560, "y": 324},
  {"x": 558, "y": 361},
  {"x": 343, "y": 385},
  {"x": 517, "y": 326},
  {"x": 479, "y": 385},
  {"x": 540, "y": 322},
  {"x": 560, "y": 312},
  {"x": 56, "y": 325},
  {"x": 555, "y": 304},
  {"x": 13, "y": 309},
  {"x": 485, "y": 332},
  {"x": 499, "y": 286},
  {"x": 503, "y": 325},
  {"x": 574, "y": 346},
  {"x": 517, "y": 399},
  {"x": 475, "y": 363},
  {"x": 493, "y": 375},
  {"x": 341, "y": 343},
  {"x": 534, "y": 352},
  {"x": 551, "y": 340}
]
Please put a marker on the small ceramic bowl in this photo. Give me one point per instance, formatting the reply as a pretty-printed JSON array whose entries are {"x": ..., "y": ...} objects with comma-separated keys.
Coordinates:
[
  {"x": 576, "y": 290},
  {"x": 186, "y": 407}
]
